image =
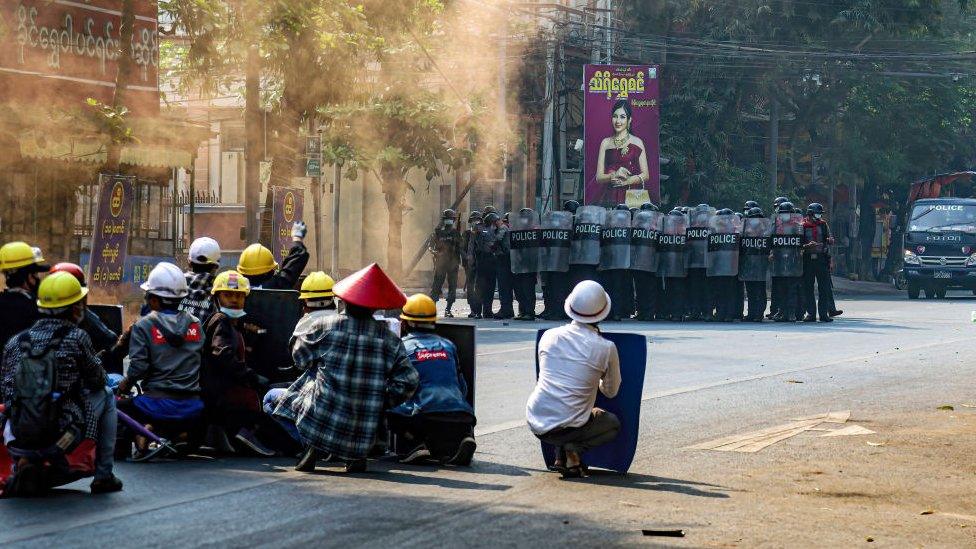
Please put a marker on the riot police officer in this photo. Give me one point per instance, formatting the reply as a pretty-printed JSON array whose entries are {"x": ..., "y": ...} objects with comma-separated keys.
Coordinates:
[
  {"x": 554, "y": 248},
  {"x": 774, "y": 304},
  {"x": 750, "y": 204},
  {"x": 614, "y": 264},
  {"x": 699, "y": 296},
  {"x": 470, "y": 266},
  {"x": 644, "y": 261},
  {"x": 672, "y": 267},
  {"x": 445, "y": 245},
  {"x": 787, "y": 262},
  {"x": 486, "y": 251},
  {"x": 584, "y": 250},
  {"x": 504, "y": 265},
  {"x": 524, "y": 237},
  {"x": 722, "y": 265},
  {"x": 816, "y": 265},
  {"x": 754, "y": 261}
]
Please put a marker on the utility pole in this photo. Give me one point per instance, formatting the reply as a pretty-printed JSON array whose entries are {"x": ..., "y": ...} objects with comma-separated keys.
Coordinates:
[
  {"x": 548, "y": 186},
  {"x": 336, "y": 193},
  {"x": 252, "y": 135},
  {"x": 773, "y": 143}
]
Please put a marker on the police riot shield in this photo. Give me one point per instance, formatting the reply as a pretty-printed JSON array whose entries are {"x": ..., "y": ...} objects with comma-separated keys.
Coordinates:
[
  {"x": 672, "y": 247},
  {"x": 585, "y": 247},
  {"x": 699, "y": 219},
  {"x": 554, "y": 242},
  {"x": 787, "y": 245},
  {"x": 755, "y": 247},
  {"x": 269, "y": 324},
  {"x": 524, "y": 239},
  {"x": 615, "y": 241},
  {"x": 111, "y": 317},
  {"x": 643, "y": 242},
  {"x": 724, "y": 234}
]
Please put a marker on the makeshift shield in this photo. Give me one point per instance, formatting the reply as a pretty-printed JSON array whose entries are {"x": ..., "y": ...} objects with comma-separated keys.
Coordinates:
[
  {"x": 554, "y": 243},
  {"x": 615, "y": 241},
  {"x": 524, "y": 236},
  {"x": 269, "y": 324},
  {"x": 643, "y": 242},
  {"x": 755, "y": 247},
  {"x": 724, "y": 234},
  {"x": 788, "y": 245},
  {"x": 585, "y": 247},
  {"x": 618, "y": 454},
  {"x": 699, "y": 220},
  {"x": 672, "y": 247}
]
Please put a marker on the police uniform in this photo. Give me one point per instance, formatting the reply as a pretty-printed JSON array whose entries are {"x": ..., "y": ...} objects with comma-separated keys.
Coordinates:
[
  {"x": 470, "y": 267},
  {"x": 446, "y": 247},
  {"x": 816, "y": 266},
  {"x": 506, "y": 293}
]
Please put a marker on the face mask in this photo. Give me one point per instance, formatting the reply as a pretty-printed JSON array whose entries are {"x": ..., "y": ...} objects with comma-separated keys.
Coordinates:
[
  {"x": 233, "y": 313},
  {"x": 817, "y": 216},
  {"x": 448, "y": 223}
]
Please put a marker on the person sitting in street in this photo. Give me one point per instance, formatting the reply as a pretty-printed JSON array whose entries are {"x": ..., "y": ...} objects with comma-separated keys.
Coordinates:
[
  {"x": 84, "y": 406},
  {"x": 164, "y": 356},
  {"x": 437, "y": 422},
  {"x": 355, "y": 368},
  {"x": 21, "y": 265},
  {"x": 258, "y": 265},
  {"x": 228, "y": 386},
  {"x": 574, "y": 362},
  {"x": 102, "y": 337},
  {"x": 204, "y": 259}
]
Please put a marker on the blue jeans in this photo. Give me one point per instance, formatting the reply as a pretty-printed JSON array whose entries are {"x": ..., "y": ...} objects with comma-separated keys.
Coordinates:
[
  {"x": 269, "y": 404},
  {"x": 102, "y": 404}
]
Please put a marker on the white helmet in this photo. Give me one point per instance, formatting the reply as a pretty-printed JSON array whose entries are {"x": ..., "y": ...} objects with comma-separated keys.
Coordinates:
[
  {"x": 166, "y": 280},
  {"x": 205, "y": 251},
  {"x": 588, "y": 303}
]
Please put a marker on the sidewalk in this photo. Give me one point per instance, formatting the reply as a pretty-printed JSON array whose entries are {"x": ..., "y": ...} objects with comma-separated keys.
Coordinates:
[{"x": 843, "y": 286}]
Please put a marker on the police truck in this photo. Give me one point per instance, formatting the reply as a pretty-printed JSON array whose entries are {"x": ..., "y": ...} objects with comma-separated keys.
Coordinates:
[{"x": 940, "y": 247}]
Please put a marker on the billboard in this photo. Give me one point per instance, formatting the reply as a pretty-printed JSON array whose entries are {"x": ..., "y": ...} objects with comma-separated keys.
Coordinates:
[
  {"x": 287, "y": 207},
  {"x": 64, "y": 52},
  {"x": 110, "y": 241},
  {"x": 621, "y": 161}
]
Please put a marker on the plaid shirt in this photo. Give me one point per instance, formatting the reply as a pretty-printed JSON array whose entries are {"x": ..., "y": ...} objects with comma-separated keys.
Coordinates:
[
  {"x": 354, "y": 370},
  {"x": 78, "y": 368},
  {"x": 199, "y": 302}
]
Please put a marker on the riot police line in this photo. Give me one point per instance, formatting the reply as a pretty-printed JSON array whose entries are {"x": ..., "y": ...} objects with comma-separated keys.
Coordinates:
[{"x": 688, "y": 264}]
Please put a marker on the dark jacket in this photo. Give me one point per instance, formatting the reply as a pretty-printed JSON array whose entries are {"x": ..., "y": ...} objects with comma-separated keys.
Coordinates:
[
  {"x": 224, "y": 360},
  {"x": 442, "y": 388},
  {"x": 446, "y": 247},
  {"x": 19, "y": 313},
  {"x": 286, "y": 278},
  {"x": 164, "y": 353}
]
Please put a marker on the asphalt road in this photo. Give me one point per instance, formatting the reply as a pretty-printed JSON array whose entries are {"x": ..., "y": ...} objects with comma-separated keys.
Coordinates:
[{"x": 703, "y": 381}]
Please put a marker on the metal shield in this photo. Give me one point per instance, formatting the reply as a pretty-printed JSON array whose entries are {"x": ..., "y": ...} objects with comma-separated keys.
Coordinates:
[
  {"x": 524, "y": 235},
  {"x": 269, "y": 324},
  {"x": 724, "y": 235},
  {"x": 698, "y": 223},
  {"x": 554, "y": 243},
  {"x": 787, "y": 245},
  {"x": 672, "y": 247},
  {"x": 643, "y": 241},
  {"x": 754, "y": 249},
  {"x": 111, "y": 316},
  {"x": 585, "y": 248},
  {"x": 615, "y": 241}
]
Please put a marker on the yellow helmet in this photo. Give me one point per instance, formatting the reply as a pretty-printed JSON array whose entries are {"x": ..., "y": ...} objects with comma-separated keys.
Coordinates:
[
  {"x": 15, "y": 255},
  {"x": 231, "y": 281},
  {"x": 419, "y": 308},
  {"x": 256, "y": 260},
  {"x": 317, "y": 285},
  {"x": 60, "y": 290}
]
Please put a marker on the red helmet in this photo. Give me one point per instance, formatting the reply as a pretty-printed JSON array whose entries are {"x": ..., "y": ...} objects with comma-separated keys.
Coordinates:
[{"x": 72, "y": 268}]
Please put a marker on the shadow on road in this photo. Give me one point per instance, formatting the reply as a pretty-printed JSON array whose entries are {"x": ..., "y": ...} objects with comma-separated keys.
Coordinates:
[
  {"x": 402, "y": 477},
  {"x": 637, "y": 481}
]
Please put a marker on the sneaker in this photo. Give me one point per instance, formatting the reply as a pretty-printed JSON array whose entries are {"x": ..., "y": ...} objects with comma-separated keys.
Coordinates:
[
  {"x": 356, "y": 466},
  {"x": 246, "y": 438},
  {"x": 472, "y": 315},
  {"x": 448, "y": 314},
  {"x": 464, "y": 453},
  {"x": 838, "y": 312},
  {"x": 106, "y": 485},
  {"x": 809, "y": 318},
  {"x": 306, "y": 463},
  {"x": 217, "y": 439},
  {"x": 420, "y": 453}
]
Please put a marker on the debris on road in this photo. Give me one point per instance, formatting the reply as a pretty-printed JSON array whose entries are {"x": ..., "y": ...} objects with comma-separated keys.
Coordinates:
[
  {"x": 870, "y": 443},
  {"x": 793, "y": 381},
  {"x": 945, "y": 407},
  {"x": 927, "y": 512},
  {"x": 849, "y": 431},
  {"x": 757, "y": 440},
  {"x": 665, "y": 533}
]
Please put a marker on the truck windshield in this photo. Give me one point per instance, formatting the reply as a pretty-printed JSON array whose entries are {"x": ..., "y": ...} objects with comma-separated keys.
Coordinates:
[{"x": 943, "y": 217}]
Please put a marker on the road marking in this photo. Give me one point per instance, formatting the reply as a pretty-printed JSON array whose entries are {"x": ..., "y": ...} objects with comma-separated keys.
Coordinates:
[{"x": 503, "y": 351}]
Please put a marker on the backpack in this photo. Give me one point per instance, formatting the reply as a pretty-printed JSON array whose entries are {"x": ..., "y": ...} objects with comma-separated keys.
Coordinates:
[{"x": 35, "y": 409}]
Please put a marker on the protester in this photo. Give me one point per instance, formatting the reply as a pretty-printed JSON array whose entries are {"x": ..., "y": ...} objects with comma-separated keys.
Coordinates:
[
  {"x": 437, "y": 422},
  {"x": 229, "y": 388},
  {"x": 574, "y": 362},
  {"x": 164, "y": 356},
  {"x": 204, "y": 259},
  {"x": 85, "y": 407},
  {"x": 101, "y": 336},
  {"x": 258, "y": 265},
  {"x": 21, "y": 265},
  {"x": 354, "y": 368}
]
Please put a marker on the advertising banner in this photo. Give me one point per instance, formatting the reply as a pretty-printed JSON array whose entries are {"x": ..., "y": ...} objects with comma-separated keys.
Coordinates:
[
  {"x": 621, "y": 163},
  {"x": 287, "y": 207},
  {"x": 110, "y": 238}
]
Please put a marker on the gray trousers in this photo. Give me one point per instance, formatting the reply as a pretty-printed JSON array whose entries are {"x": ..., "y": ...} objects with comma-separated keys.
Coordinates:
[
  {"x": 601, "y": 428},
  {"x": 102, "y": 406}
]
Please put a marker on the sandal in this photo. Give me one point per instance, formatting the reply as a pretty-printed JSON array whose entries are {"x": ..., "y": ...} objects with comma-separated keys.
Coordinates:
[{"x": 576, "y": 471}]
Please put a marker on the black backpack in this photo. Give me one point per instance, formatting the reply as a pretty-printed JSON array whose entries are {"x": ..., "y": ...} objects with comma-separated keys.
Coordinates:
[{"x": 35, "y": 410}]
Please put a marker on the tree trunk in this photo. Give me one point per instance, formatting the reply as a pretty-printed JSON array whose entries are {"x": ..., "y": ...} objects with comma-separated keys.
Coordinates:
[
  {"x": 867, "y": 226},
  {"x": 252, "y": 135},
  {"x": 113, "y": 159},
  {"x": 394, "y": 193}
]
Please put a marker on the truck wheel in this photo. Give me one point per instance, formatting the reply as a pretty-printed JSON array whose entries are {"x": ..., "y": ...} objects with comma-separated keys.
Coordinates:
[
  {"x": 914, "y": 290},
  {"x": 940, "y": 293}
]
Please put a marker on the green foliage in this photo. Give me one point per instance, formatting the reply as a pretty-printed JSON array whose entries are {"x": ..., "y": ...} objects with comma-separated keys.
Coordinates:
[{"x": 111, "y": 121}]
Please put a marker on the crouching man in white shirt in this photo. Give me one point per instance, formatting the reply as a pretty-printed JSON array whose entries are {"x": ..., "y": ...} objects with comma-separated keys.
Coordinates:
[{"x": 575, "y": 361}]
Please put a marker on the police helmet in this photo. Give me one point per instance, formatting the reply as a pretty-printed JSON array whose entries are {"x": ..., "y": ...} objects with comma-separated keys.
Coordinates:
[
  {"x": 815, "y": 208},
  {"x": 488, "y": 209},
  {"x": 507, "y": 216},
  {"x": 755, "y": 212},
  {"x": 474, "y": 216},
  {"x": 648, "y": 207},
  {"x": 491, "y": 218},
  {"x": 780, "y": 199},
  {"x": 724, "y": 211},
  {"x": 676, "y": 211},
  {"x": 571, "y": 206},
  {"x": 449, "y": 214},
  {"x": 750, "y": 204},
  {"x": 785, "y": 207},
  {"x": 525, "y": 211}
]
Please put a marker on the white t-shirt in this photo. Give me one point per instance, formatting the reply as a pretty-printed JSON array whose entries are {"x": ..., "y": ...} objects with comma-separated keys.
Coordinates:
[{"x": 574, "y": 361}]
